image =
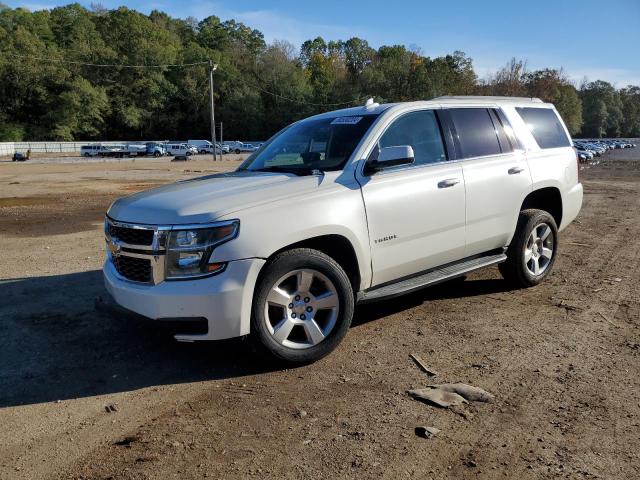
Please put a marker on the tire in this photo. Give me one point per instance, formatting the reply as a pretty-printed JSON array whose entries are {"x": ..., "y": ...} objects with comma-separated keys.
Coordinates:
[
  {"x": 237, "y": 150},
  {"x": 307, "y": 297},
  {"x": 156, "y": 154},
  {"x": 203, "y": 152},
  {"x": 86, "y": 155},
  {"x": 530, "y": 257}
]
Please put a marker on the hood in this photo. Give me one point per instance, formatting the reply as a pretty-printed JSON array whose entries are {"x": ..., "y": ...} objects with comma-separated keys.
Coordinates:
[{"x": 206, "y": 199}]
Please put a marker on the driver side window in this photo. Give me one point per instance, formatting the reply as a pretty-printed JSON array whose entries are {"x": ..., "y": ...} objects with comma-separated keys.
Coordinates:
[{"x": 420, "y": 130}]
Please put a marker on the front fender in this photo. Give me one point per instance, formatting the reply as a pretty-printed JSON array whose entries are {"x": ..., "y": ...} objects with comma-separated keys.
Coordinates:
[{"x": 333, "y": 210}]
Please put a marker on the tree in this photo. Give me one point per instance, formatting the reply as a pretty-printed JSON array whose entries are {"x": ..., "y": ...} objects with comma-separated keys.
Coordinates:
[
  {"x": 79, "y": 111},
  {"x": 51, "y": 90},
  {"x": 509, "y": 80},
  {"x": 602, "y": 110},
  {"x": 630, "y": 99}
]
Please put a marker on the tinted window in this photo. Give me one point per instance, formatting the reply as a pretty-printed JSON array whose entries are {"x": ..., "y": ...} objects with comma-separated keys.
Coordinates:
[
  {"x": 545, "y": 127},
  {"x": 475, "y": 132},
  {"x": 505, "y": 142},
  {"x": 507, "y": 128},
  {"x": 421, "y": 131}
]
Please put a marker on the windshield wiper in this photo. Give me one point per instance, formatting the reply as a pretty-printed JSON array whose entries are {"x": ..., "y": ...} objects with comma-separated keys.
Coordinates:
[{"x": 299, "y": 171}]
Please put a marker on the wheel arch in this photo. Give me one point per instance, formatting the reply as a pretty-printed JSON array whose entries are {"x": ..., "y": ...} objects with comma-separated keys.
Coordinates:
[
  {"x": 548, "y": 199},
  {"x": 336, "y": 246}
]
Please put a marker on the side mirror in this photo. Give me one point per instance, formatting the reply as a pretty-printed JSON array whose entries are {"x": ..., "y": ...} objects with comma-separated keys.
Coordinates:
[{"x": 392, "y": 157}]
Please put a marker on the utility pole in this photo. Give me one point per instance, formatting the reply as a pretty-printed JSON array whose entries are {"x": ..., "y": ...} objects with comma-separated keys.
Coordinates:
[
  {"x": 220, "y": 141},
  {"x": 212, "y": 68}
]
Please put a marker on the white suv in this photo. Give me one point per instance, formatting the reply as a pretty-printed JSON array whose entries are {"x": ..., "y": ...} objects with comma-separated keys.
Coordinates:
[{"x": 347, "y": 207}]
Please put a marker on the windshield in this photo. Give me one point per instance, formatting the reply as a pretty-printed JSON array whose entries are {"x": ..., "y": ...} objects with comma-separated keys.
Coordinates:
[{"x": 322, "y": 144}]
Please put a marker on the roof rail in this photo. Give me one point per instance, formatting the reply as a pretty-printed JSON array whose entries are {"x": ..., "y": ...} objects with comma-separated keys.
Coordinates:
[{"x": 488, "y": 98}]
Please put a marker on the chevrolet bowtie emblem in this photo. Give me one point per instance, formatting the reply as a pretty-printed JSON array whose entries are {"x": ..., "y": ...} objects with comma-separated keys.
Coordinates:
[{"x": 114, "y": 248}]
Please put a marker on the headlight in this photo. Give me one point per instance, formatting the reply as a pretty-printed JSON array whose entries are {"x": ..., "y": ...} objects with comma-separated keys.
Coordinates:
[{"x": 189, "y": 249}]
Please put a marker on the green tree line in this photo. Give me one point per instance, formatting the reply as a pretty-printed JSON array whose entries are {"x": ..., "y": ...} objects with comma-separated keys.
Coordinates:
[{"x": 49, "y": 92}]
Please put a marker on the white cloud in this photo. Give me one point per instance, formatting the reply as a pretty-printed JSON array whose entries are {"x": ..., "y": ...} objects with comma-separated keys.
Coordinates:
[
  {"x": 275, "y": 25},
  {"x": 618, "y": 77},
  {"x": 34, "y": 7}
]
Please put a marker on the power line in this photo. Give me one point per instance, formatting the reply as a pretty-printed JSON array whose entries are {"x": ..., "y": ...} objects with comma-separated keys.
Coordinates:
[
  {"x": 104, "y": 65},
  {"x": 307, "y": 103},
  {"x": 173, "y": 65}
]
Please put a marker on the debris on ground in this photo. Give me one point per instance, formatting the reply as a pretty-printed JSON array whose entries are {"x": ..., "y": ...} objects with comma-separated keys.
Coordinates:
[
  {"x": 578, "y": 244},
  {"x": 426, "y": 432},
  {"x": 449, "y": 395},
  {"x": 111, "y": 408},
  {"x": 482, "y": 366},
  {"x": 567, "y": 306},
  {"x": 437, "y": 397},
  {"x": 468, "y": 392},
  {"x": 423, "y": 366},
  {"x": 607, "y": 319},
  {"x": 126, "y": 441}
]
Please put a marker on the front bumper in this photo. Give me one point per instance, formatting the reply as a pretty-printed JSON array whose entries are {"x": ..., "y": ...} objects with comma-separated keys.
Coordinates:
[{"x": 224, "y": 299}]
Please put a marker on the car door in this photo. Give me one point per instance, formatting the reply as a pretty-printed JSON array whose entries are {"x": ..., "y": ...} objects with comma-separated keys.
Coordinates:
[
  {"x": 415, "y": 213},
  {"x": 497, "y": 177}
]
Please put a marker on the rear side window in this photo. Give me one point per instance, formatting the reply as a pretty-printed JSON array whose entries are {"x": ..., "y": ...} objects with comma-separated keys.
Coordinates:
[
  {"x": 420, "y": 130},
  {"x": 475, "y": 132},
  {"x": 545, "y": 126}
]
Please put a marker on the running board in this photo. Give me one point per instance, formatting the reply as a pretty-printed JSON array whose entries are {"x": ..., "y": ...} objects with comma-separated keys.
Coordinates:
[{"x": 432, "y": 277}]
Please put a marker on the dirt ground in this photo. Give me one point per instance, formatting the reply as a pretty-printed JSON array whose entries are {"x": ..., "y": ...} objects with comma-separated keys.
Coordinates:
[{"x": 85, "y": 394}]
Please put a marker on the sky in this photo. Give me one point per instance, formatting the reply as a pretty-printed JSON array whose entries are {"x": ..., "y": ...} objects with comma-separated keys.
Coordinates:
[{"x": 590, "y": 39}]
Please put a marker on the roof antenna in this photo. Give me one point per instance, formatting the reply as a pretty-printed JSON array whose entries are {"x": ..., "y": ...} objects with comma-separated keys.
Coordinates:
[{"x": 370, "y": 104}]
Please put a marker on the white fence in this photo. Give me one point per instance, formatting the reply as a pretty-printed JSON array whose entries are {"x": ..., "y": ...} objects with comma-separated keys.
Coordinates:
[{"x": 9, "y": 148}]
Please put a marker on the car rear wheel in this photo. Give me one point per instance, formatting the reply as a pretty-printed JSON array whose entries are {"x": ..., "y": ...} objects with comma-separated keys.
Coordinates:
[
  {"x": 303, "y": 306},
  {"x": 533, "y": 250}
]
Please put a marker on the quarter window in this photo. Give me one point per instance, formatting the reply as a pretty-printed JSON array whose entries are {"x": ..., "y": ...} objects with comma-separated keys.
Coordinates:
[
  {"x": 475, "y": 132},
  {"x": 420, "y": 130},
  {"x": 544, "y": 125}
]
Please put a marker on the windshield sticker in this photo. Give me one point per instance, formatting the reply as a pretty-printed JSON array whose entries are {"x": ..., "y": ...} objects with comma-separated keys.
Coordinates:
[{"x": 346, "y": 120}]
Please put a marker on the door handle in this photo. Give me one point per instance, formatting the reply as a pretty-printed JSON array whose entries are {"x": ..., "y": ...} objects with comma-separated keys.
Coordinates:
[
  {"x": 449, "y": 182},
  {"x": 514, "y": 170}
]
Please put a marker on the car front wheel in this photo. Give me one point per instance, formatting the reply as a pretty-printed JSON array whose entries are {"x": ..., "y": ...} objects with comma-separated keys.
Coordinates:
[
  {"x": 533, "y": 250},
  {"x": 303, "y": 306}
]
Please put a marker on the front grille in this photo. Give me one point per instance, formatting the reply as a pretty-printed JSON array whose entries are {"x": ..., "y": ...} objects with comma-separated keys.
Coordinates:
[
  {"x": 132, "y": 236},
  {"x": 133, "y": 268}
]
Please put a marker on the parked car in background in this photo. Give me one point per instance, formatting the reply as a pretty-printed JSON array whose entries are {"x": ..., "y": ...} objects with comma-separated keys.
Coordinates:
[
  {"x": 240, "y": 147},
  {"x": 19, "y": 157},
  {"x": 371, "y": 202},
  {"x": 177, "y": 149},
  {"x": 155, "y": 149},
  {"x": 205, "y": 146},
  {"x": 90, "y": 150}
]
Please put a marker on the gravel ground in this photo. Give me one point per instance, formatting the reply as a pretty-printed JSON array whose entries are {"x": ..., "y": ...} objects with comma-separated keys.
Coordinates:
[{"x": 85, "y": 394}]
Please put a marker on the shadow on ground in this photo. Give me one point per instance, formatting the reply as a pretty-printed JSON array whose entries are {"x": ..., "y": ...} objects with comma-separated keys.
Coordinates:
[{"x": 54, "y": 344}]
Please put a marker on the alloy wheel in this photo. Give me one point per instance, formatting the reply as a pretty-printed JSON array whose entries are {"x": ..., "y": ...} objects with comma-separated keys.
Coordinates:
[
  {"x": 539, "y": 249},
  {"x": 301, "y": 308}
]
